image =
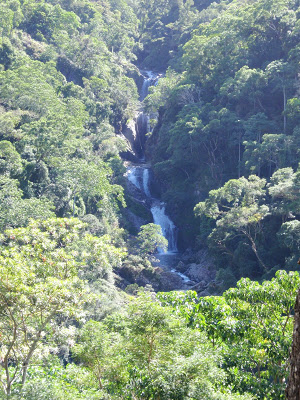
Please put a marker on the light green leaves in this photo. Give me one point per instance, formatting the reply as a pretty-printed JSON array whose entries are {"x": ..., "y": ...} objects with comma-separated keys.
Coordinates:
[{"x": 150, "y": 238}]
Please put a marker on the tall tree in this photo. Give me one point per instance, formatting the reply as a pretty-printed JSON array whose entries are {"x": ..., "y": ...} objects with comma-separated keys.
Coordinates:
[
  {"x": 38, "y": 282},
  {"x": 293, "y": 386},
  {"x": 237, "y": 209}
]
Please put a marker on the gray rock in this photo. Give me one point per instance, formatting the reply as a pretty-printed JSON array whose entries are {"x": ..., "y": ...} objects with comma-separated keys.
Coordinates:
[
  {"x": 181, "y": 267},
  {"x": 170, "y": 281},
  {"x": 198, "y": 272}
]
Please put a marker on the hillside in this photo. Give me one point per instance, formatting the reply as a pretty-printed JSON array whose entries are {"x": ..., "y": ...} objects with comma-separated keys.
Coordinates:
[{"x": 124, "y": 123}]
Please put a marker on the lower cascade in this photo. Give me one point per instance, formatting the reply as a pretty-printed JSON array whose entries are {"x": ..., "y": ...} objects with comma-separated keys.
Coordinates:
[
  {"x": 139, "y": 176},
  {"x": 168, "y": 228}
]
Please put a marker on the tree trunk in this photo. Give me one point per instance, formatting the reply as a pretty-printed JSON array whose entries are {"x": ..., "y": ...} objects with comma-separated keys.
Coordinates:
[
  {"x": 284, "y": 110},
  {"x": 74, "y": 200},
  {"x": 293, "y": 388},
  {"x": 253, "y": 246}
]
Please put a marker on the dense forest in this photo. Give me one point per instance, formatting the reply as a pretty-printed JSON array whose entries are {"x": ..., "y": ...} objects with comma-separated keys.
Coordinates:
[{"x": 87, "y": 311}]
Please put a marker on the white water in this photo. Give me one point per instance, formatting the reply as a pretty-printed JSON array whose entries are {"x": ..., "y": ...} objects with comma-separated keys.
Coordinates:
[
  {"x": 139, "y": 176},
  {"x": 168, "y": 228},
  {"x": 150, "y": 79},
  {"x": 146, "y": 178},
  {"x": 134, "y": 176},
  {"x": 184, "y": 277}
]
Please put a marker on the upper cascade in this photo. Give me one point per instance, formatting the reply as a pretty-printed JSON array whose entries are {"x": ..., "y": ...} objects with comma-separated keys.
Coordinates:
[
  {"x": 136, "y": 130},
  {"x": 150, "y": 79}
]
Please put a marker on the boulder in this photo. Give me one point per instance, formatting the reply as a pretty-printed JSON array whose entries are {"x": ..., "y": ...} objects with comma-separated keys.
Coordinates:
[{"x": 200, "y": 273}]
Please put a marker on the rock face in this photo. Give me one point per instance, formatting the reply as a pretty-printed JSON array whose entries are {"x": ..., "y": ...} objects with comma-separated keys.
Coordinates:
[
  {"x": 200, "y": 273},
  {"x": 157, "y": 278},
  {"x": 130, "y": 133}
]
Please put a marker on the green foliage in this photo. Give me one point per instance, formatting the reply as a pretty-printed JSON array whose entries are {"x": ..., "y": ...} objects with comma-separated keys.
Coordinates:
[
  {"x": 49, "y": 124},
  {"x": 227, "y": 106},
  {"x": 149, "y": 353},
  {"x": 265, "y": 312},
  {"x": 238, "y": 210},
  {"x": 11, "y": 162},
  {"x": 150, "y": 238},
  {"x": 275, "y": 151},
  {"x": 248, "y": 209},
  {"x": 38, "y": 282},
  {"x": 16, "y": 211},
  {"x": 252, "y": 326},
  {"x": 41, "y": 289}
]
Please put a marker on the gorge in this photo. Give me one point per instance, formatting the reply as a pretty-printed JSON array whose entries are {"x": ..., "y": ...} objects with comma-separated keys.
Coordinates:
[
  {"x": 141, "y": 176},
  {"x": 90, "y": 306}
]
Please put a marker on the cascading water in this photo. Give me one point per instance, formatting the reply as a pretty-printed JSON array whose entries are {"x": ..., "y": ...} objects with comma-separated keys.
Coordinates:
[
  {"x": 146, "y": 177},
  {"x": 150, "y": 79},
  {"x": 139, "y": 174},
  {"x": 168, "y": 228},
  {"x": 134, "y": 176}
]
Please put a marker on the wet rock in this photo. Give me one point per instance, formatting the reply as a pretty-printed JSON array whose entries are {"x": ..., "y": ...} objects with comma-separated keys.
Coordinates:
[
  {"x": 181, "y": 267},
  {"x": 129, "y": 132},
  {"x": 71, "y": 71},
  {"x": 188, "y": 256},
  {"x": 120, "y": 282},
  {"x": 129, "y": 156},
  {"x": 137, "y": 76},
  {"x": 189, "y": 285},
  {"x": 200, "y": 273},
  {"x": 169, "y": 281},
  {"x": 133, "y": 220}
]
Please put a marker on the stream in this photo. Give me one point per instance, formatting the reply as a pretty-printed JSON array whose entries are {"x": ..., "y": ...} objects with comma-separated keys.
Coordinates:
[{"x": 140, "y": 175}]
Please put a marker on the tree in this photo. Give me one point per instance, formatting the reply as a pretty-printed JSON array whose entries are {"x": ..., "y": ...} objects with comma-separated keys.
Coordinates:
[
  {"x": 150, "y": 238},
  {"x": 246, "y": 89},
  {"x": 15, "y": 210},
  {"x": 250, "y": 325},
  {"x": 165, "y": 359},
  {"x": 6, "y": 20},
  {"x": 284, "y": 192},
  {"x": 10, "y": 160},
  {"x": 262, "y": 336},
  {"x": 237, "y": 209},
  {"x": 279, "y": 73},
  {"x": 289, "y": 235},
  {"x": 38, "y": 282},
  {"x": 272, "y": 153},
  {"x": 86, "y": 179},
  {"x": 100, "y": 350},
  {"x": 292, "y": 389},
  {"x": 211, "y": 314}
]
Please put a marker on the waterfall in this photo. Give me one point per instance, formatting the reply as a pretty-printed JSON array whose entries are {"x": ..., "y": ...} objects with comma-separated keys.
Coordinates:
[
  {"x": 133, "y": 176},
  {"x": 146, "y": 177},
  {"x": 168, "y": 228},
  {"x": 139, "y": 174},
  {"x": 140, "y": 177},
  {"x": 150, "y": 79}
]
